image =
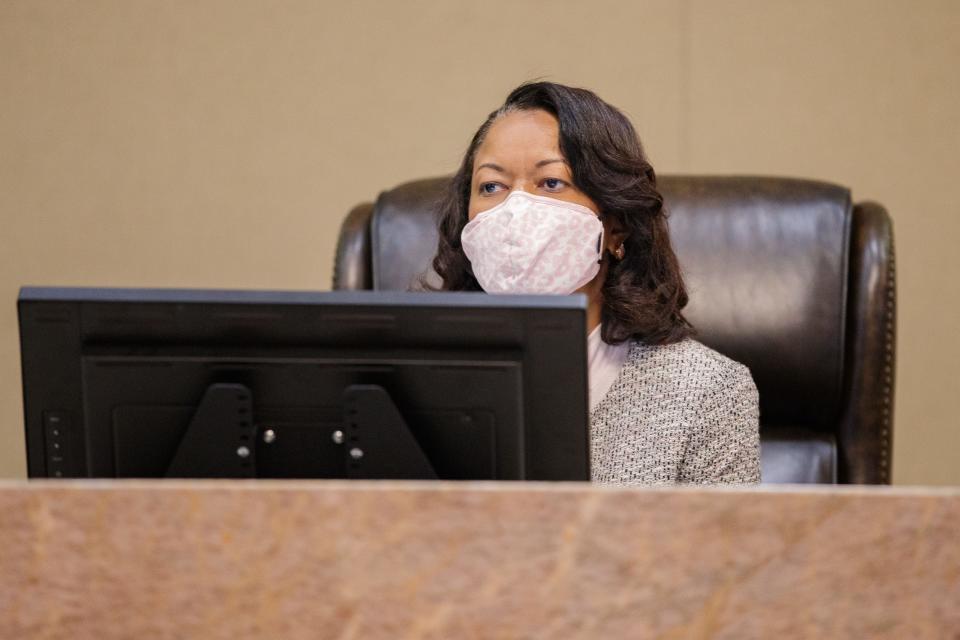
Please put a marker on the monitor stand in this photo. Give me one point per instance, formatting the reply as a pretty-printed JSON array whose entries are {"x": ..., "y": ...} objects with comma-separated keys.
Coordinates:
[
  {"x": 378, "y": 441},
  {"x": 219, "y": 441}
]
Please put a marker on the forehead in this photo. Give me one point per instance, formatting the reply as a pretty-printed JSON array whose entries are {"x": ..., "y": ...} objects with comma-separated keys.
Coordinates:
[{"x": 521, "y": 135}]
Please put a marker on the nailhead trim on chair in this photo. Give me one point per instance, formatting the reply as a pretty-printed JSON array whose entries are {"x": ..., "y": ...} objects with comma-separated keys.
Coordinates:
[{"x": 888, "y": 366}]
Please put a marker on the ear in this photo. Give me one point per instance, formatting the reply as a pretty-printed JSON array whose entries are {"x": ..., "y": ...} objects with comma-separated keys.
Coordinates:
[{"x": 614, "y": 234}]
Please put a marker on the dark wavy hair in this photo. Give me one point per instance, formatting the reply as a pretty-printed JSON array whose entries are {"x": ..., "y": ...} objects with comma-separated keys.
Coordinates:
[{"x": 643, "y": 294}]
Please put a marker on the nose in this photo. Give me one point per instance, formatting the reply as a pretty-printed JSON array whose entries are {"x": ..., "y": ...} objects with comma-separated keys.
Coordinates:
[
  {"x": 524, "y": 187},
  {"x": 518, "y": 190}
]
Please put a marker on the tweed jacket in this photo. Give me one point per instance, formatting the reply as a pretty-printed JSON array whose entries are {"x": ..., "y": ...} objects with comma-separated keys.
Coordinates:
[{"x": 678, "y": 413}]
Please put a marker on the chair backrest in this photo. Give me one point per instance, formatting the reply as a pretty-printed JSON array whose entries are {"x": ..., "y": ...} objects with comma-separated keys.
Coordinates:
[{"x": 786, "y": 276}]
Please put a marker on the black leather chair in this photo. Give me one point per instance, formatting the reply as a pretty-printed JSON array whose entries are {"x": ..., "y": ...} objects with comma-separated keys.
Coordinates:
[{"x": 786, "y": 276}]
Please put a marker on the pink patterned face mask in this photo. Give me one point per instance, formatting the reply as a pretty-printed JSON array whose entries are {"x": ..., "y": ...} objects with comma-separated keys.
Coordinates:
[{"x": 534, "y": 244}]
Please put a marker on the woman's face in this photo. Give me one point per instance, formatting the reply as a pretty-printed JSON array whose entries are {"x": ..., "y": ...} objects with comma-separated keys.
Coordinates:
[{"x": 521, "y": 152}]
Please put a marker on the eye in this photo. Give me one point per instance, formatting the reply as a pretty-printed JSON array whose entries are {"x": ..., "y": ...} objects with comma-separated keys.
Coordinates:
[
  {"x": 553, "y": 184},
  {"x": 488, "y": 188}
]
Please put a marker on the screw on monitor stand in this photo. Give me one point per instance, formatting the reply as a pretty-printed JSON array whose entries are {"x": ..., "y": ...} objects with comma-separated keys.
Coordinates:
[
  {"x": 356, "y": 453},
  {"x": 269, "y": 436},
  {"x": 243, "y": 452},
  {"x": 337, "y": 436}
]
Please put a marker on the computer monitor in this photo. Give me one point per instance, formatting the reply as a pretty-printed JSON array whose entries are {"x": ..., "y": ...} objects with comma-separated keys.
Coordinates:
[{"x": 242, "y": 384}]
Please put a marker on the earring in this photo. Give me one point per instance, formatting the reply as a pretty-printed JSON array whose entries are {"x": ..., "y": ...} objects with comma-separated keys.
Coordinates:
[{"x": 620, "y": 251}]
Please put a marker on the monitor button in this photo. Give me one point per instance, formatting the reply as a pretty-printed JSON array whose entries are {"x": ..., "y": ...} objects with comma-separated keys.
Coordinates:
[{"x": 56, "y": 427}]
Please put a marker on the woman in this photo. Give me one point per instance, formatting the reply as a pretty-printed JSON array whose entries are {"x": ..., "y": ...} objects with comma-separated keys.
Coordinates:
[{"x": 555, "y": 195}]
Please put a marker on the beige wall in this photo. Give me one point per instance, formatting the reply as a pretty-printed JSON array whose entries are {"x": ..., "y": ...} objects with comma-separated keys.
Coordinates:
[{"x": 219, "y": 143}]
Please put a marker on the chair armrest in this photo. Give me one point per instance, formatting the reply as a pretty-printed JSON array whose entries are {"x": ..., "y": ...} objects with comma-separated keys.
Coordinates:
[{"x": 866, "y": 427}]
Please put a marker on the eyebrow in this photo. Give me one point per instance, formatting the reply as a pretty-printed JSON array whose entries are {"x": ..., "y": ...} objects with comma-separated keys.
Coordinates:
[
  {"x": 496, "y": 167},
  {"x": 543, "y": 163}
]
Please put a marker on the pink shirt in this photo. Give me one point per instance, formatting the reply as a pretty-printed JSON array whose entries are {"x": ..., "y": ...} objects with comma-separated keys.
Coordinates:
[{"x": 604, "y": 362}]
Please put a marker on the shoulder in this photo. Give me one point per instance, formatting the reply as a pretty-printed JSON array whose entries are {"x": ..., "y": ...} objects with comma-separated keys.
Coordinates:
[
  {"x": 680, "y": 412},
  {"x": 723, "y": 443},
  {"x": 690, "y": 365},
  {"x": 686, "y": 379},
  {"x": 721, "y": 403}
]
